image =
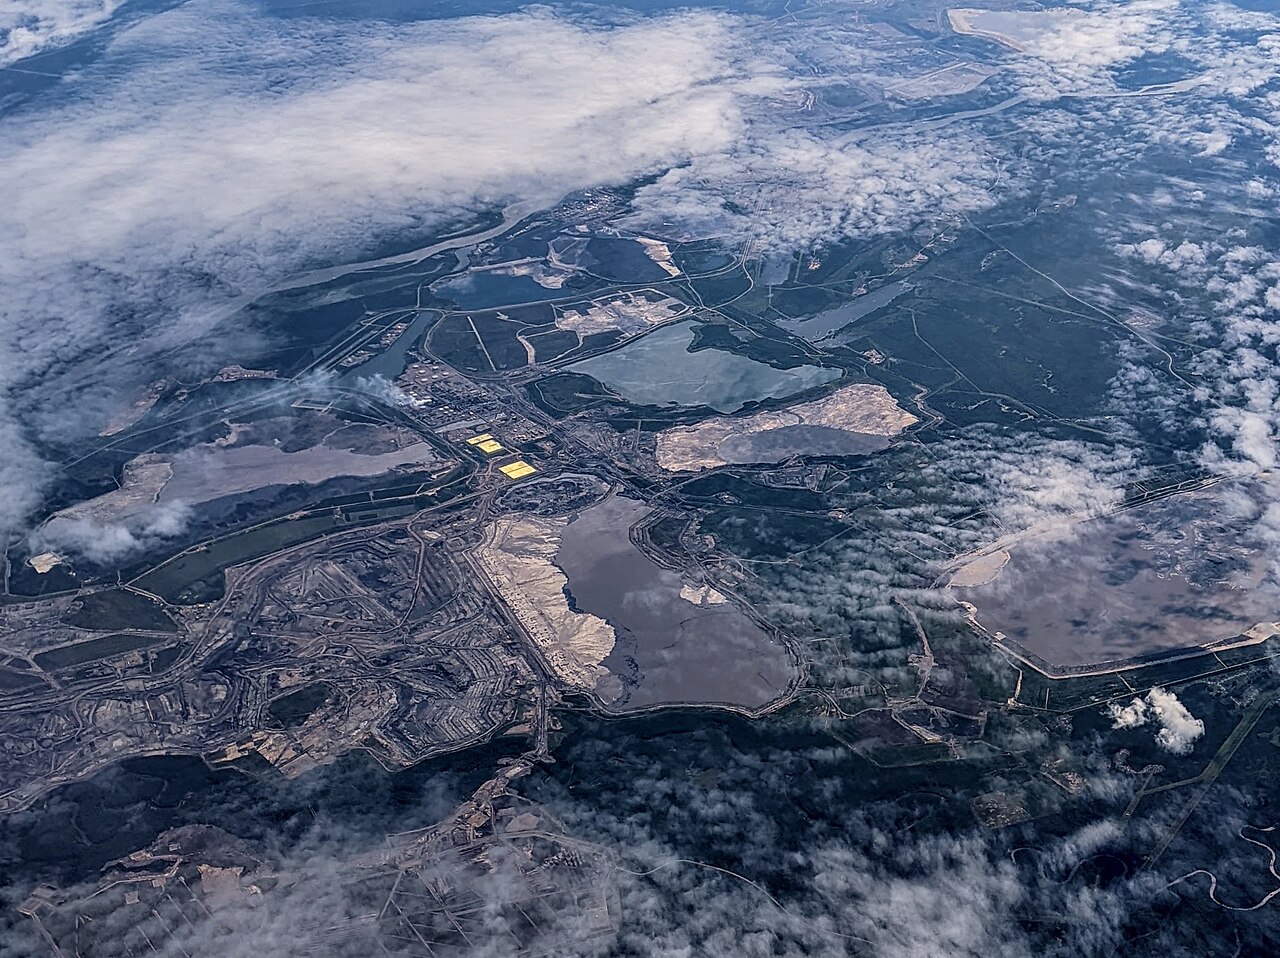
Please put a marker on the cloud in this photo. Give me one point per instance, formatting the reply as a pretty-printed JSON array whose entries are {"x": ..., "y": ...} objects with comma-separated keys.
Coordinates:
[
  {"x": 1103, "y": 35},
  {"x": 789, "y": 189},
  {"x": 814, "y": 852},
  {"x": 1056, "y": 482},
  {"x": 213, "y": 151},
  {"x": 29, "y": 26},
  {"x": 218, "y": 151},
  {"x": 734, "y": 840},
  {"x": 1184, "y": 256},
  {"x": 1179, "y": 729},
  {"x": 962, "y": 491},
  {"x": 1224, "y": 301},
  {"x": 322, "y": 138},
  {"x": 1075, "y": 50},
  {"x": 1133, "y": 715},
  {"x": 307, "y": 830},
  {"x": 108, "y": 542}
]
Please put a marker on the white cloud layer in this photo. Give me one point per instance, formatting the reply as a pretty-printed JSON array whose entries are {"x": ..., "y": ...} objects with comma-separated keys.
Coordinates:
[
  {"x": 1081, "y": 45},
  {"x": 214, "y": 151},
  {"x": 29, "y": 26},
  {"x": 111, "y": 541},
  {"x": 180, "y": 158},
  {"x": 1178, "y": 728},
  {"x": 787, "y": 189}
]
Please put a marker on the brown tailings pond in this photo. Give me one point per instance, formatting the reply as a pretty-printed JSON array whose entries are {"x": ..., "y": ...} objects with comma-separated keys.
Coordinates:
[
  {"x": 674, "y": 644},
  {"x": 1182, "y": 571}
]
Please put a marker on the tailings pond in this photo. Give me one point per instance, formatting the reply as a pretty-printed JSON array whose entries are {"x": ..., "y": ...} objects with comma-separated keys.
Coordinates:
[
  {"x": 676, "y": 643},
  {"x": 659, "y": 370},
  {"x": 1182, "y": 571}
]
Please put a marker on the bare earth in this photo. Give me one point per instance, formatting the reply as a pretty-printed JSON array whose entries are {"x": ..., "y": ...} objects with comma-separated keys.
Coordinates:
[
  {"x": 660, "y": 253},
  {"x": 860, "y": 409},
  {"x": 629, "y": 312},
  {"x": 981, "y": 570},
  {"x": 1017, "y": 29},
  {"x": 211, "y": 470},
  {"x": 702, "y": 595},
  {"x": 518, "y": 558}
]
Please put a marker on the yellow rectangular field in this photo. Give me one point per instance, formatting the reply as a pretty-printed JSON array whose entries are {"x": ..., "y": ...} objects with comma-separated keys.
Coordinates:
[{"x": 517, "y": 470}]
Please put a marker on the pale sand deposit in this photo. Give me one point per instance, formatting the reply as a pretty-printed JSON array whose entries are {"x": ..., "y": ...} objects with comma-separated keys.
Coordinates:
[
  {"x": 981, "y": 570},
  {"x": 629, "y": 312},
  {"x": 518, "y": 558},
  {"x": 702, "y": 595},
  {"x": 143, "y": 480},
  {"x": 660, "y": 253},
  {"x": 860, "y": 409},
  {"x": 45, "y": 562}
]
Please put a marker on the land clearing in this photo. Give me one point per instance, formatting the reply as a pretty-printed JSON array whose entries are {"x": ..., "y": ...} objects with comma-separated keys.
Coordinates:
[{"x": 856, "y": 419}]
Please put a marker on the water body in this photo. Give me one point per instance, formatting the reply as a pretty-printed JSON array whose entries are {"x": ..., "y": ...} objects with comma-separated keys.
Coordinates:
[
  {"x": 487, "y": 289},
  {"x": 206, "y": 473},
  {"x": 1017, "y": 28},
  {"x": 659, "y": 370},
  {"x": 776, "y": 268},
  {"x": 511, "y": 215},
  {"x": 1175, "y": 573},
  {"x": 824, "y": 325},
  {"x": 775, "y": 445},
  {"x": 669, "y": 650},
  {"x": 391, "y": 362},
  {"x": 876, "y": 130}
]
